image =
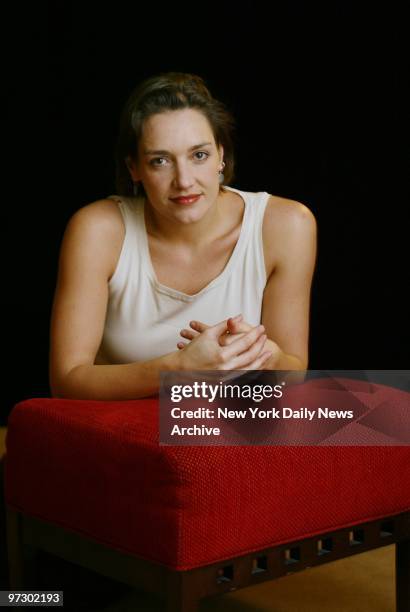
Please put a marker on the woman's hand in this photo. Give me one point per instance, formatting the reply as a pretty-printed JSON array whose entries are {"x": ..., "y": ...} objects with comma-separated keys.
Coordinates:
[
  {"x": 205, "y": 352},
  {"x": 236, "y": 328}
]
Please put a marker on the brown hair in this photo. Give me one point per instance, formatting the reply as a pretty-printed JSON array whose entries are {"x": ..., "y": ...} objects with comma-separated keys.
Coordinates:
[{"x": 164, "y": 92}]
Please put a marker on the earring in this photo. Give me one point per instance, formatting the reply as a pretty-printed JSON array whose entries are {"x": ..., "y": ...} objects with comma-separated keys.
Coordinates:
[
  {"x": 135, "y": 188},
  {"x": 221, "y": 174}
]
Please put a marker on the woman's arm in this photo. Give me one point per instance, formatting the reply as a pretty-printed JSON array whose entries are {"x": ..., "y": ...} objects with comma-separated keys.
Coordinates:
[
  {"x": 290, "y": 233},
  {"x": 89, "y": 251},
  {"x": 116, "y": 382},
  {"x": 88, "y": 255}
]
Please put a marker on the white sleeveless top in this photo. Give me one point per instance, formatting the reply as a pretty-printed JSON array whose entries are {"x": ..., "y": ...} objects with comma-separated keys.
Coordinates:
[{"x": 144, "y": 317}]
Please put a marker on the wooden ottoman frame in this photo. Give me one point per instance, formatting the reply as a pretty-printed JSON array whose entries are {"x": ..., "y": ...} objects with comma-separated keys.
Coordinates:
[{"x": 182, "y": 590}]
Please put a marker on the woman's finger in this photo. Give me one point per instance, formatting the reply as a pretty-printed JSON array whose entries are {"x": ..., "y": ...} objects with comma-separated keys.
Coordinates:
[
  {"x": 227, "y": 339},
  {"x": 260, "y": 361},
  {"x": 248, "y": 356},
  {"x": 198, "y": 326},
  {"x": 182, "y": 345},
  {"x": 244, "y": 343},
  {"x": 188, "y": 333},
  {"x": 238, "y": 326}
]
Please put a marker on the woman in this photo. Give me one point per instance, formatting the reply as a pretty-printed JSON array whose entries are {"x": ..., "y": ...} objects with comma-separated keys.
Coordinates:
[{"x": 175, "y": 253}]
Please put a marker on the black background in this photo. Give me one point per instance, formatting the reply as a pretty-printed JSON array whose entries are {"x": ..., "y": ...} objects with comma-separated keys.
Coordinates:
[{"x": 318, "y": 95}]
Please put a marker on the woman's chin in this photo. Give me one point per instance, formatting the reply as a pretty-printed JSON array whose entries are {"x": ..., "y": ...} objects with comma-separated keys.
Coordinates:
[{"x": 190, "y": 214}]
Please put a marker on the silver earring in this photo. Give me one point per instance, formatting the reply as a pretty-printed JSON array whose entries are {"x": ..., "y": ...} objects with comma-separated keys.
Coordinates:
[
  {"x": 135, "y": 188},
  {"x": 221, "y": 174}
]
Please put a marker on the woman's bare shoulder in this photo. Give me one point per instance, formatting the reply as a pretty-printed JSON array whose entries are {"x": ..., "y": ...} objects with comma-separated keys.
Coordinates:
[
  {"x": 99, "y": 228},
  {"x": 286, "y": 211},
  {"x": 285, "y": 223},
  {"x": 105, "y": 213}
]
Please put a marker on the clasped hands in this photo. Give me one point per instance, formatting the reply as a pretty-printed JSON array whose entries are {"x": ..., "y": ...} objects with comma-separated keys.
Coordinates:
[{"x": 232, "y": 344}]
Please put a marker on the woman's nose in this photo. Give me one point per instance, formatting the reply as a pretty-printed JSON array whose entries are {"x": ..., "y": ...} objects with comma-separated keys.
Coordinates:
[{"x": 183, "y": 176}]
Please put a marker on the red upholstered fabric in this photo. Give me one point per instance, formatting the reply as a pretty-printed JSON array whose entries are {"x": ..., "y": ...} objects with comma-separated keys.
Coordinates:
[{"x": 96, "y": 468}]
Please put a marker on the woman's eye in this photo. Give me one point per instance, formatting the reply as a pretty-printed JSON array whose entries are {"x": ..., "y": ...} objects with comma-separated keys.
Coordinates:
[
  {"x": 153, "y": 161},
  {"x": 202, "y": 153}
]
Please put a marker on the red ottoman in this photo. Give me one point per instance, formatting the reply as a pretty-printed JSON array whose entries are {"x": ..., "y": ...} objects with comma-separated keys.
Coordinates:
[{"x": 84, "y": 476}]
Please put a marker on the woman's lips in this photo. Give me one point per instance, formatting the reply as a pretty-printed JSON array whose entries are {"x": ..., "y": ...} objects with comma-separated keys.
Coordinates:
[{"x": 186, "y": 200}]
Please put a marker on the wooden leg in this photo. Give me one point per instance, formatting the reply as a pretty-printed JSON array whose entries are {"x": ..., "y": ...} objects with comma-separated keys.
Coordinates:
[
  {"x": 181, "y": 593},
  {"x": 15, "y": 549},
  {"x": 403, "y": 576},
  {"x": 21, "y": 558},
  {"x": 3, "y": 530}
]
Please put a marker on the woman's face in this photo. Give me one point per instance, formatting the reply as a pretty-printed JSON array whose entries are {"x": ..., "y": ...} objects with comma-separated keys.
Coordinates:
[{"x": 178, "y": 156}]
